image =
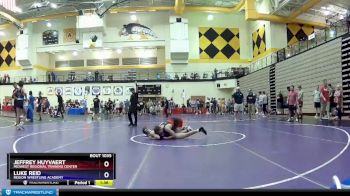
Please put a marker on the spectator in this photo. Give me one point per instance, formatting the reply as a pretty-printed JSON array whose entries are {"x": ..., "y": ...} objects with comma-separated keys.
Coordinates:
[
  {"x": 96, "y": 75},
  {"x": 324, "y": 100},
  {"x": 49, "y": 77},
  {"x": 280, "y": 103},
  {"x": 176, "y": 76},
  {"x": 53, "y": 77},
  {"x": 317, "y": 101},
  {"x": 338, "y": 100}
]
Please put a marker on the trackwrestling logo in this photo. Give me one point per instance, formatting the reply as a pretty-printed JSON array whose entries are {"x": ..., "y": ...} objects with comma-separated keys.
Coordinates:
[{"x": 29, "y": 192}]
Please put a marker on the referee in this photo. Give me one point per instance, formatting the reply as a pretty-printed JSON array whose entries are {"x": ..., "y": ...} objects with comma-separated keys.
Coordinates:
[{"x": 134, "y": 98}]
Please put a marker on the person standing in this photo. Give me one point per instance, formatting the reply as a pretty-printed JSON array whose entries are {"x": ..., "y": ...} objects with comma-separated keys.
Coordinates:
[
  {"x": 15, "y": 87},
  {"x": 166, "y": 107},
  {"x": 338, "y": 100},
  {"x": 324, "y": 100},
  {"x": 30, "y": 110},
  {"x": 300, "y": 103},
  {"x": 251, "y": 98},
  {"x": 317, "y": 101},
  {"x": 292, "y": 103},
  {"x": 280, "y": 103},
  {"x": 96, "y": 75},
  {"x": 238, "y": 106},
  {"x": 134, "y": 98},
  {"x": 60, "y": 109},
  {"x": 264, "y": 104},
  {"x": 97, "y": 103},
  {"x": 39, "y": 109},
  {"x": 19, "y": 96},
  {"x": 260, "y": 102}
]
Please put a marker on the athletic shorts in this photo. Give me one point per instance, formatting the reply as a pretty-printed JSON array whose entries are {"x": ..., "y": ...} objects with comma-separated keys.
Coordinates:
[
  {"x": 19, "y": 104},
  {"x": 300, "y": 104},
  {"x": 38, "y": 109},
  {"x": 317, "y": 104},
  {"x": 238, "y": 107},
  {"x": 96, "y": 110},
  {"x": 291, "y": 107}
]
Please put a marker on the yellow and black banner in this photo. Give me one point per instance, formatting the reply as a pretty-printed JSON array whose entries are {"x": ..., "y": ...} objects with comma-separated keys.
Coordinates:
[
  {"x": 298, "y": 32},
  {"x": 219, "y": 43},
  {"x": 7, "y": 53},
  {"x": 259, "y": 41}
]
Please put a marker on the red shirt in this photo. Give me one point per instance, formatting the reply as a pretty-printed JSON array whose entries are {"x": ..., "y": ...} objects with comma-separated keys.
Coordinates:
[
  {"x": 325, "y": 94},
  {"x": 292, "y": 98}
]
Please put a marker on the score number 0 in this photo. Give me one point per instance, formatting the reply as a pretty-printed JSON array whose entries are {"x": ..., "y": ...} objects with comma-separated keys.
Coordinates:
[{"x": 106, "y": 174}]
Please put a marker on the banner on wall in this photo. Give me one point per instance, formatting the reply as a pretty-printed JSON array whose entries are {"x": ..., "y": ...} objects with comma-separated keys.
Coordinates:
[
  {"x": 59, "y": 90},
  {"x": 50, "y": 37},
  {"x": 127, "y": 90},
  {"x": 69, "y": 35},
  {"x": 118, "y": 90},
  {"x": 87, "y": 90},
  {"x": 92, "y": 40},
  {"x": 135, "y": 31},
  {"x": 96, "y": 90},
  {"x": 68, "y": 91},
  {"x": 107, "y": 90},
  {"x": 50, "y": 91},
  {"x": 78, "y": 91}
]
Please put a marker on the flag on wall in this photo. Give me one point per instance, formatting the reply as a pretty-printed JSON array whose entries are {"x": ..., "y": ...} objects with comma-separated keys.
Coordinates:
[
  {"x": 219, "y": 43},
  {"x": 9, "y": 4},
  {"x": 7, "y": 54},
  {"x": 259, "y": 41},
  {"x": 297, "y": 32}
]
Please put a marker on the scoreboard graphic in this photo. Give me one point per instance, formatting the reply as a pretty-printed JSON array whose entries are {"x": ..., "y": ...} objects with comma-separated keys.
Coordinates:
[
  {"x": 155, "y": 89},
  {"x": 76, "y": 169}
]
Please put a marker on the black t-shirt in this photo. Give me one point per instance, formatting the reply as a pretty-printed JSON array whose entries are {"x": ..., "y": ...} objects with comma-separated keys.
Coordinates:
[
  {"x": 238, "y": 96},
  {"x": 60, "y": 100},
  {"x": 251, "y": 99},
  {"x": 40, "y": 98},
  {"x": 96, "y": 103},
  {"x": 280, "y": 99},
  {"x": 134, "y": 99}
]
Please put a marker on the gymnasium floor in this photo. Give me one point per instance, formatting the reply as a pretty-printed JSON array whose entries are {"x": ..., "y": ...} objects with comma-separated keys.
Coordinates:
[{"x": 266, "y": 153}]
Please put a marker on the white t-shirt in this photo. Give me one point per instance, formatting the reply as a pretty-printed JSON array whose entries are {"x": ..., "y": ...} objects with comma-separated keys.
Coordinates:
[
  {"x": 117, "y": 104},
  {"x": 317, "y": 95},
  {"x": 264, "y": 99},
  {"x": 261, "y": 98}
]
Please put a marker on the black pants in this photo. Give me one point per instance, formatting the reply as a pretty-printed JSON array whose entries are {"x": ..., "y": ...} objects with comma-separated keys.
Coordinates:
[
  {"x": 339, "y": 113},
  {"x": 291, "y": 110},
  {"x": 135, "y": 116},
  {"x": 265, "y": 108},
  {"x": 60, "y": 110}
]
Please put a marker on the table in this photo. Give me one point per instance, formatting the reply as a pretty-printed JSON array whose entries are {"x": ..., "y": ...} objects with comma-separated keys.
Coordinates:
[
  {"x": 76, "y": 111},
  {"x": 7, "y": 108}
]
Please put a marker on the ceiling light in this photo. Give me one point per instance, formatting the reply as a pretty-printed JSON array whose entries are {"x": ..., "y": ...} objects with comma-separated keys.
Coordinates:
[
  {"x": 323, "y": 8},
  {"x": 48, "y": 24},
  {"x": 2, "y": 33},
  {"x": 119, "y": 51},
  {"x": 133, "y": 17},
  {"x": 75, "y": 53},
  {"x": 341, "y": 17},
  {"x": 53, "y": 5},
  {"x": 210, "y": 17}
]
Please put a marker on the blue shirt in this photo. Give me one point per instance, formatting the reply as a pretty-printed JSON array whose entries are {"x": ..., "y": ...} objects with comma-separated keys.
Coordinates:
[{"x": 31, "y": 101}]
